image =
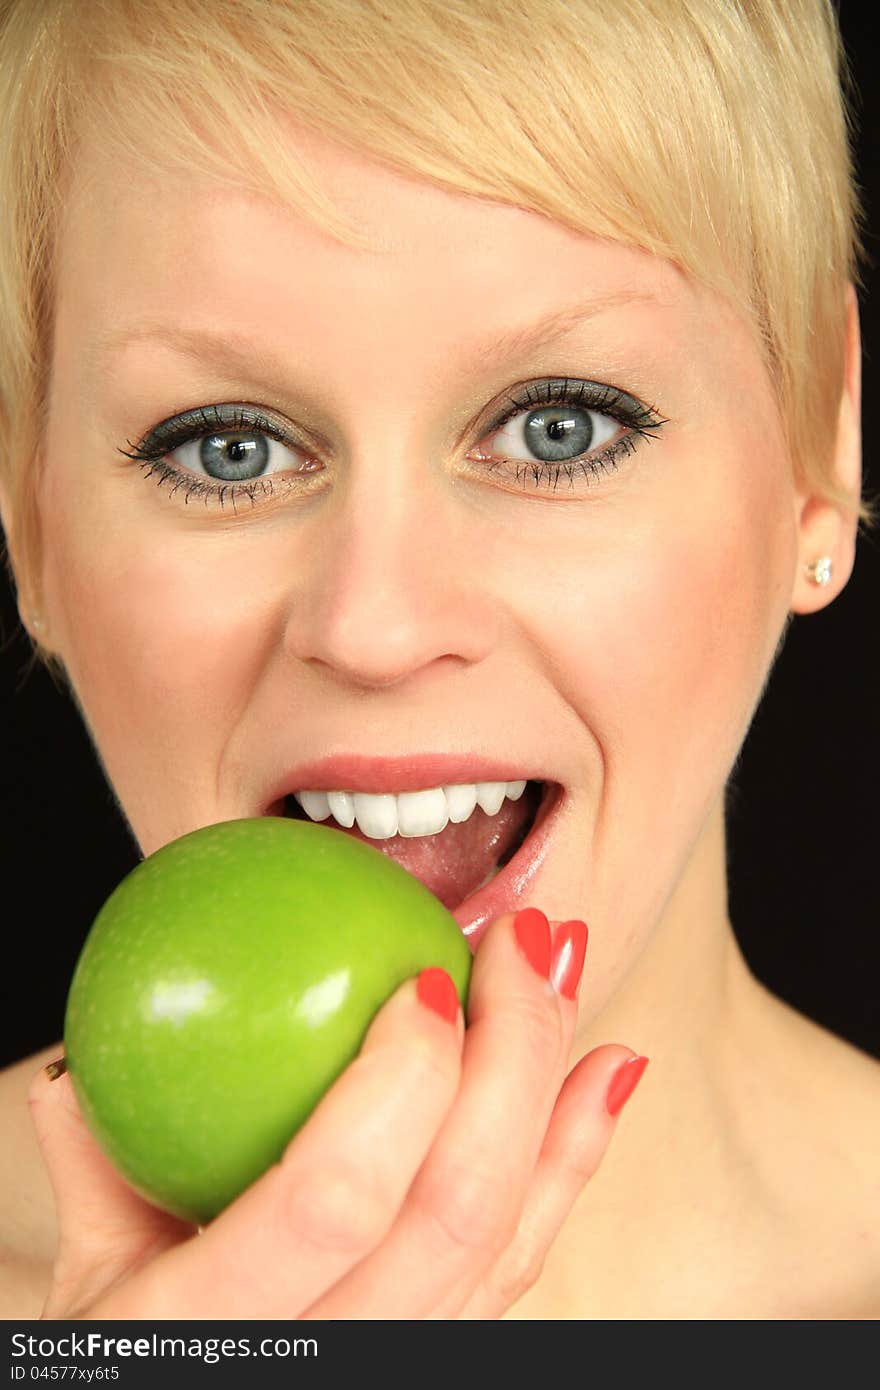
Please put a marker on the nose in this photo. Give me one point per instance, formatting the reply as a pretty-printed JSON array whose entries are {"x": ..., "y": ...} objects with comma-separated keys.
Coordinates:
[{"x": 390, "y": 579}]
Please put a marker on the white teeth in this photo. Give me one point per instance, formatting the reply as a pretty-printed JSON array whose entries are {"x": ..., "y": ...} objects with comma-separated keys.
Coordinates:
[
  {"x": 420, "y": 813},
  {"x": 462, "y": 802},
  {"x": 315, "y": 804},
  {"x": 342, "y": 807},
  {"x": 490, "y": 796},
  {"x": 376, "y": 815},
  {"x": 408, "y": 813}
]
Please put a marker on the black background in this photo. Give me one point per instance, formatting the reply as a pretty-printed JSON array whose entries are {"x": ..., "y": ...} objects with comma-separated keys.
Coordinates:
[{"x": 802, "y": 828}]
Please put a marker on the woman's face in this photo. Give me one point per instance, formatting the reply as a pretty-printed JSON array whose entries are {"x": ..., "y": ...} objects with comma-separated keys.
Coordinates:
[{"x": 609, "y": 630}]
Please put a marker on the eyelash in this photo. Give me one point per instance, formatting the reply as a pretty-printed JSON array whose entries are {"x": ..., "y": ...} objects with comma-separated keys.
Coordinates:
[{"x": 642, "y": 422}]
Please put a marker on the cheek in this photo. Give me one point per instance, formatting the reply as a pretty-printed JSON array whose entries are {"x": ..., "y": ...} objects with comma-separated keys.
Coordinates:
[
  {"x": 161, "y": 638},
  {"x": 669, "y": 641}
]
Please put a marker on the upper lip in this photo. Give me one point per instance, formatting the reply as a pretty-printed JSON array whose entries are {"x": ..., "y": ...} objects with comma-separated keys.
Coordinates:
[{"x": 354, "y": 772}]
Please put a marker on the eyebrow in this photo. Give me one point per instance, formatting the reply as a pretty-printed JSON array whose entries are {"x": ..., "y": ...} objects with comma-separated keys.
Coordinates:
[
  {"x": 232, "y": 351},
  {"x": 561, "y": 321}
]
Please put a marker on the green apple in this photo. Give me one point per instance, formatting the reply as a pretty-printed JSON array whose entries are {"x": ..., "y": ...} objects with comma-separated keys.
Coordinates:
[{"x": 224, "y": 986}]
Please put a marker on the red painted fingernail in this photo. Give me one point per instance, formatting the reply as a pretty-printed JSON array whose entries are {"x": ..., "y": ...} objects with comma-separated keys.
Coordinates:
[
  {"x": 569, "y": 950},
  {"x": 533, "y": 935},
  {"x": 623, "y": 1083},
  {"x": 437, "y": 991}
]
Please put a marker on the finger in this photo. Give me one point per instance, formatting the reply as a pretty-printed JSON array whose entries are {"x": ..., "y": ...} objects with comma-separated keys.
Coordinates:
[
  {"x": 465, "y": 1203},
  {"x": 577, "y": 1140},
  {"x": 104, "y": 1227},
  {"x": 336, "y": 1191}
]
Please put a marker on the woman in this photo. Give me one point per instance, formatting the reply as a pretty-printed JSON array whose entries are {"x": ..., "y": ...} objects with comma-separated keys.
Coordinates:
[{"x": 498, "y": 399}]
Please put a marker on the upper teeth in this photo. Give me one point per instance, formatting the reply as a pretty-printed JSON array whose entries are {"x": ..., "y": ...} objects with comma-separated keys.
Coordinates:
[{"x": 408, "y": 813}]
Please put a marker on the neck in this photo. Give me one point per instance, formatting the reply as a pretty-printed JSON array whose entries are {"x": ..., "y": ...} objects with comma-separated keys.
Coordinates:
[
  {"x": 678, "y": 991},
  {"x": 681, "y": 1160}
]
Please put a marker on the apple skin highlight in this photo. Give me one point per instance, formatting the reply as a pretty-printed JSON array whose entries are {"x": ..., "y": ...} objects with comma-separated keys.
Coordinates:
[{"x": 224, "y": 986}]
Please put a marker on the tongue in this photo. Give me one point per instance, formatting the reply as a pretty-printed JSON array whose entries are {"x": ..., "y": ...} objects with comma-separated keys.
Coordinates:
[{"x": 453, "y": 863}]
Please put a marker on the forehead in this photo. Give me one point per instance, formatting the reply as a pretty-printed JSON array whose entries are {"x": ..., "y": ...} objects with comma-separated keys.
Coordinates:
[{"x": 446, "y": 278}]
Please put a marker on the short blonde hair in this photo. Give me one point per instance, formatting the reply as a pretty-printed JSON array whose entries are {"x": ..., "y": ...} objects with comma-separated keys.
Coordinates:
[{"x": 710, "y": 132}]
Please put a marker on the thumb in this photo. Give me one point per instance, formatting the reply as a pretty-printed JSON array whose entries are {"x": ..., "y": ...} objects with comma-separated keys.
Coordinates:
[{"x": 105, "y": 1230}]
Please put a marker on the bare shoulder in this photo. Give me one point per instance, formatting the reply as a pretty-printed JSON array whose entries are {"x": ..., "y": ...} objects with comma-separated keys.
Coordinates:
[
  {"x": 843, "y": 1084},
  {"x": 27, "y": 1207},
  {"x": 827, "y": 1163}
]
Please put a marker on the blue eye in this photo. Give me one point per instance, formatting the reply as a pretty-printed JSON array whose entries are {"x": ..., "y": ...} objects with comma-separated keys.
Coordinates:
[
  {"x": 235, "y": 456},
  {"x": 233, "y": 451},
  {"x": 562, "y": 428},
  {"x": 554, "y": 434},
  {"x": 553, "y": 429}
]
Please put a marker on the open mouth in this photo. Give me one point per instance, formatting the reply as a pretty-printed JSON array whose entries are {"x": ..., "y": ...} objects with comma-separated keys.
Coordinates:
[{"x": 479, "y": 868}]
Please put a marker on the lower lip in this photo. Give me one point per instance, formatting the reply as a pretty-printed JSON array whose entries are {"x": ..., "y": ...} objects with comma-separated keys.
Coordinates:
[{"x": 510, "y": 888}]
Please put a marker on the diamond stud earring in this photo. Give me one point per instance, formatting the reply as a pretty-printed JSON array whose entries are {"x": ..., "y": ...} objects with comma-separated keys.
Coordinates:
[{"x": 820, "y": 570}]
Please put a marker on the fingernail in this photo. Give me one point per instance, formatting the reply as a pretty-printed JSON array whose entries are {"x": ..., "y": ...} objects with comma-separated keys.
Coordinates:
[
  {"x": 569, "y": 950},
  {"x": 623, "y": 1083},
  {"x": 533, "y": 936},
  {"x": 56, "y": 1068},
  {"x": 436, "y": 991}
]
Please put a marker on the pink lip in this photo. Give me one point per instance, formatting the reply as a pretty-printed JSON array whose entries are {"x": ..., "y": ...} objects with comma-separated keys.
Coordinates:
[
  {"x": 510, "y": 888},
  {"x": 406, "y": 773}
]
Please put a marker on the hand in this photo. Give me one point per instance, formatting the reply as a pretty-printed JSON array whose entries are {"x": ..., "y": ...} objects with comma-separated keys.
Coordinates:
[{"x": 428, "y": 1183}]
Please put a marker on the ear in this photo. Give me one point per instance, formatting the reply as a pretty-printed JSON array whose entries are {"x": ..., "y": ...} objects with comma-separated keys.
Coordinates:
[{"x": 825, "y": 529}]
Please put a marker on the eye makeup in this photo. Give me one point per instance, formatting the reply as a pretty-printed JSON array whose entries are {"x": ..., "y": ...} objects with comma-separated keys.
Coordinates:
[{"x": 563, "y": 417}]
